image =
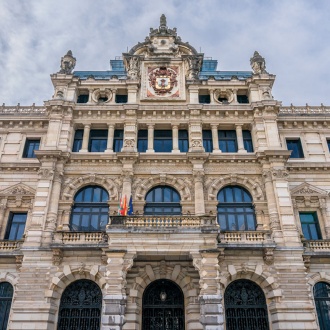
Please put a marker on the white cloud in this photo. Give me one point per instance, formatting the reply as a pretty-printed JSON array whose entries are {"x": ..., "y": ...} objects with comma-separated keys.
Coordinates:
[{"x": 291, "y": 35}]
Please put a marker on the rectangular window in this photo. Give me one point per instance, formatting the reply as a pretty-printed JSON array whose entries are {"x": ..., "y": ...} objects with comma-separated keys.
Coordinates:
[
  {"x": 328, "y": 142},
  {"x": 295, "y": 146},
  {"x": 227, "y": 141},
  {"x": 242, "y": 99},
  {"x": 142, "y": 144},
  {"x": 204, "y": 99},
  {"x": 16, "y": 226},
  {"x": 163, "y": 141},
  {"x": 121, "y": 98},
  {"x": 207, "y": 140},
  {"x": 183, "y": 141},
  {"x": 310, "y": 225},
  {"x": 118, "y": 140},
  {"x": 83, "y": 98},
  {"x": 78, "y": 138},
  {"x": 247, "y": 139},
  {"x": 30, "y": 146},
  {"x": 98, "y": 139}
]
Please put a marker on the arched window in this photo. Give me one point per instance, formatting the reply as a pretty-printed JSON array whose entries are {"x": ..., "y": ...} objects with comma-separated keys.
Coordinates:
[
  {"x": 163, "y": 306},
  {"x": 245, "y": 306},
  {"x": 322, "y": 303},
  {"x": 162, "y": 200},
  {"x": 80, "y": 307},
  {"x": 6, "y": 296},
  {"x": 235, "y": 209},
  {"x": 90, "y": 211}
]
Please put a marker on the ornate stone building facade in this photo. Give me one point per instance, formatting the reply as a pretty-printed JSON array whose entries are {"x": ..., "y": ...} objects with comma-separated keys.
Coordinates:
[{"x": 230, "y": 190}]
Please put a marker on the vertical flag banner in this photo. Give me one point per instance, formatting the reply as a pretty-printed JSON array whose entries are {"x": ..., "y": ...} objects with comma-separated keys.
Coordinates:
[
  {"x": 130, "y": 206},
  {"x": 120, "y": 206}
]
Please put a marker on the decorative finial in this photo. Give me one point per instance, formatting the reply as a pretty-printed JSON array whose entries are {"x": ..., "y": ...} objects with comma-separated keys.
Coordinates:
[
  {"x": 258, "y": 63},
  {"x": 163, "y": 21},
  {"x": 68, "y": 63}
]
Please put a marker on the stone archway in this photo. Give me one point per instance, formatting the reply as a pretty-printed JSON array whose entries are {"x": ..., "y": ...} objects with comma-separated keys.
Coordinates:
[{"x": 163, "y": 306}]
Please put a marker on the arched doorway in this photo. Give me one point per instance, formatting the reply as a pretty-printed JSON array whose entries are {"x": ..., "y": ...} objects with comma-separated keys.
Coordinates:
[
  {"x": 322, "y": 303},
  {"x": 245, "y": 306},
  {"x": 6, "y": 297},
  {"x": 163, "y": 306},
  {"x": 80, "y": 307}
]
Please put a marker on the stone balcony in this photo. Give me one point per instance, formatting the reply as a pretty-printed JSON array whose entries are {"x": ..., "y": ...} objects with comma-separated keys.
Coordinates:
[
  {"x": 9, "y": 246},
  {"x": 246, "y": 239},
  {"x": 317, "y": 246},
  {"x": 163, "y": 222}
]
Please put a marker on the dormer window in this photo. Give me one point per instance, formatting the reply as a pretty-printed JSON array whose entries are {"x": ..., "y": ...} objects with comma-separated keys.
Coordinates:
[
  {"x": 83, "y": 98},
  {"x": 242, "y": 99}
]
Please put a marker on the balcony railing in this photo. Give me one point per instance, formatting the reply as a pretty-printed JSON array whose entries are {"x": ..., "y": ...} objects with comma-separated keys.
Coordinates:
[
  {"x": 23, "y": 110},
  {"x": 186, "y": 221},
  {"x": 65, "y": 237},
  {"x": 318, "y": 245},
  {"x": 247, "y": 237},
  {"x": 304, "y": 110},
  {"x": 10, "y": 245}
]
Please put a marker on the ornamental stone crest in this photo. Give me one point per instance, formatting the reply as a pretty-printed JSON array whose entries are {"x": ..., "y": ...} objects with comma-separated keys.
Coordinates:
[{"x": 163, "y": 80}]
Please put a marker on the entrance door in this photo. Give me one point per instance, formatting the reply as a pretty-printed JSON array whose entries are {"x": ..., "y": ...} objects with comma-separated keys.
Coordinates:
[{"x": 163, "y": 306}]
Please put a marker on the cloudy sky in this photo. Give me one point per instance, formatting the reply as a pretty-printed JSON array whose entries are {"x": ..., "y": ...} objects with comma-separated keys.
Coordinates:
[{"x": 292, "y": 35}]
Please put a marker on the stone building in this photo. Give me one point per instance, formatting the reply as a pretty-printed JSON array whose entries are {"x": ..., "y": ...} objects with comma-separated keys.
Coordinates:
[{"x": 230, "y": 224}]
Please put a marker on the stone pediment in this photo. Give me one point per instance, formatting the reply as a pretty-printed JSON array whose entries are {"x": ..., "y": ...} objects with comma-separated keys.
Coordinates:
[
  {"x": 309, "y": 190},
  {"x": 19, "y": 189}
]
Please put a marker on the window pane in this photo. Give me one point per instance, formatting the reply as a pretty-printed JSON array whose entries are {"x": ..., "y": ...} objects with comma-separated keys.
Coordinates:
[
  {"x": 295, "y": 146},
  {"x": 16, "y": 226},
  {"x": 167, "y": 195},
  {"x": 310, "y": 225}
]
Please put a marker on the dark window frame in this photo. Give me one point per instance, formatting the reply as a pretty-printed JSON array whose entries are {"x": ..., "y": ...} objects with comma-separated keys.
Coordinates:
[
  {"x": 30, "y": 143},
  {"x": 163, "y": 140},
  {"x": 204, "y": 99},
  {"x": 88, "y": 213},
  {"x": 121, "y": 98},
  {"x": 118, "y": 140},
  {"x": 6, "y": 298},
  {"x": 77, "y": 140},
  {"x": 295, "y": 145},
  {"x": 235, "y": 208},
  {"x": 183, "y": 140},
  {"x": 328, "y": 143},
  {"x": 207, "y": 140},
  {"x": 15, "y": 227},
  {"x": 227, "y": 140},
  {"x": 98, "y": 140},
  {"x": 247, "y": 141},
  {"x": 142, "y": 143},
  {"x": 162, "y": 205},
  {"x": 321, "y": 294},
  {"x": 310, "y": 229}
]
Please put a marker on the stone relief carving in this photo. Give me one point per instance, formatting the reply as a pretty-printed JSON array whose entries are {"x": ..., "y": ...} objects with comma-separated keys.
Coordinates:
[
  {"x": 132, "y": 64},
  {"x": 57, "y": 257},
  {"x": 68, "y": 62},
  {"x": 102, "y": 93},
  {"x": 268, "y": 256},
  {"x": 194, "y": 65},
  {"x": 129, "y": 143},
  {"x": 280, "y": 174},
  {"x": 258, "y": 63}
]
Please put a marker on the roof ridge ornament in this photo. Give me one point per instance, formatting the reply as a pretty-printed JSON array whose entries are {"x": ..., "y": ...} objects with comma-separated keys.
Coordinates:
[
  {"x": 162, "y": 22},
  {"x": 258, "y": 63},
  {"x": 68, "y": 62}
]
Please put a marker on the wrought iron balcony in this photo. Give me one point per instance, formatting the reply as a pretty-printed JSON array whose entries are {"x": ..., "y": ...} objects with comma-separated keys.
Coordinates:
[{"x": 159, "y": 221}]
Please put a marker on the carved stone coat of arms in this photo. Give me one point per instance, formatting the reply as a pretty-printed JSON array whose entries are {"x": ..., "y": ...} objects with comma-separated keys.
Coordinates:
[{"x": 163, "y": 81}]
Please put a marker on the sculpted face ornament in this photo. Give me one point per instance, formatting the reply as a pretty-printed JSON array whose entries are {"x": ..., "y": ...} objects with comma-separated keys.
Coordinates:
[{"x": 162, "y": 80}]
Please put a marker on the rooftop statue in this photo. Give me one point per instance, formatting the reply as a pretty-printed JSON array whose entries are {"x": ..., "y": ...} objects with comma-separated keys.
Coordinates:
[
  {"x": 258, "y": 63},
  {"x": 68, "y": 62}
]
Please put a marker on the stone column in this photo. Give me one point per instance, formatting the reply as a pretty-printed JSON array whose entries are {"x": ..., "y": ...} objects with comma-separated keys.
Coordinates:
[
  {"x": 114, "y": 306},
  {"x": 127, "y": 185},
  {"x": 211, "y": 91},
  {"x": 199, "y": 193},
  {"x": 3, "y": 205},
  {"x": 175, "y": 138},
  {"x": 51, "y": 218},
  {"x": 114, "y": 91},
  {"x": 235, "y": 96},
  {"x": 150, "y": 138},
  {"x": 272, "y": 206},
  {"x": 240, "y": 142},
  {"x": 215, "y": 138},
  {"x": 84, "y": 147},
  {"x": 111, "y": 131},
  {"x": 210, "y": 297}
]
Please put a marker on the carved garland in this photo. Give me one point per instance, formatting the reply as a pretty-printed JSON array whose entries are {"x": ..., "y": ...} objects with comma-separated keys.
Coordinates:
[
  {"x": 182, "y": 186},
  {"x": 72, "y": 186},
  {"x": 214, "y": 186}
]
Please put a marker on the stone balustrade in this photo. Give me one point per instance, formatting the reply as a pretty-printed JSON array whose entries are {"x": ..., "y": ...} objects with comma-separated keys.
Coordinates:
[
  {"x": 247, "y": 237},
  {"x": 23, "y": 110},
  {"x": 301, "y": 110},
  {"x": 186, "y": 221},
  {"x": 77, "y": 238},
  {"x": 10, "y": 245},
  {"x": 318, "y": 245}
]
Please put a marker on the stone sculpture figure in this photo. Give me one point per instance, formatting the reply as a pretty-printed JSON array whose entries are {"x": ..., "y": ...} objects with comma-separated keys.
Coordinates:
[
  {"x": 132, "y": 64},
  {"x": 258, "y": 63},
  {"x": 68, "y": 62}
]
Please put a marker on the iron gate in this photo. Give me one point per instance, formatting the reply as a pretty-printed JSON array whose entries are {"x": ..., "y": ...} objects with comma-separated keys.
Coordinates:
[
  {"x": 163, "y": 306},
  {"x": 80, "y": 307},
  {"x": 245, "y": 305}
]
